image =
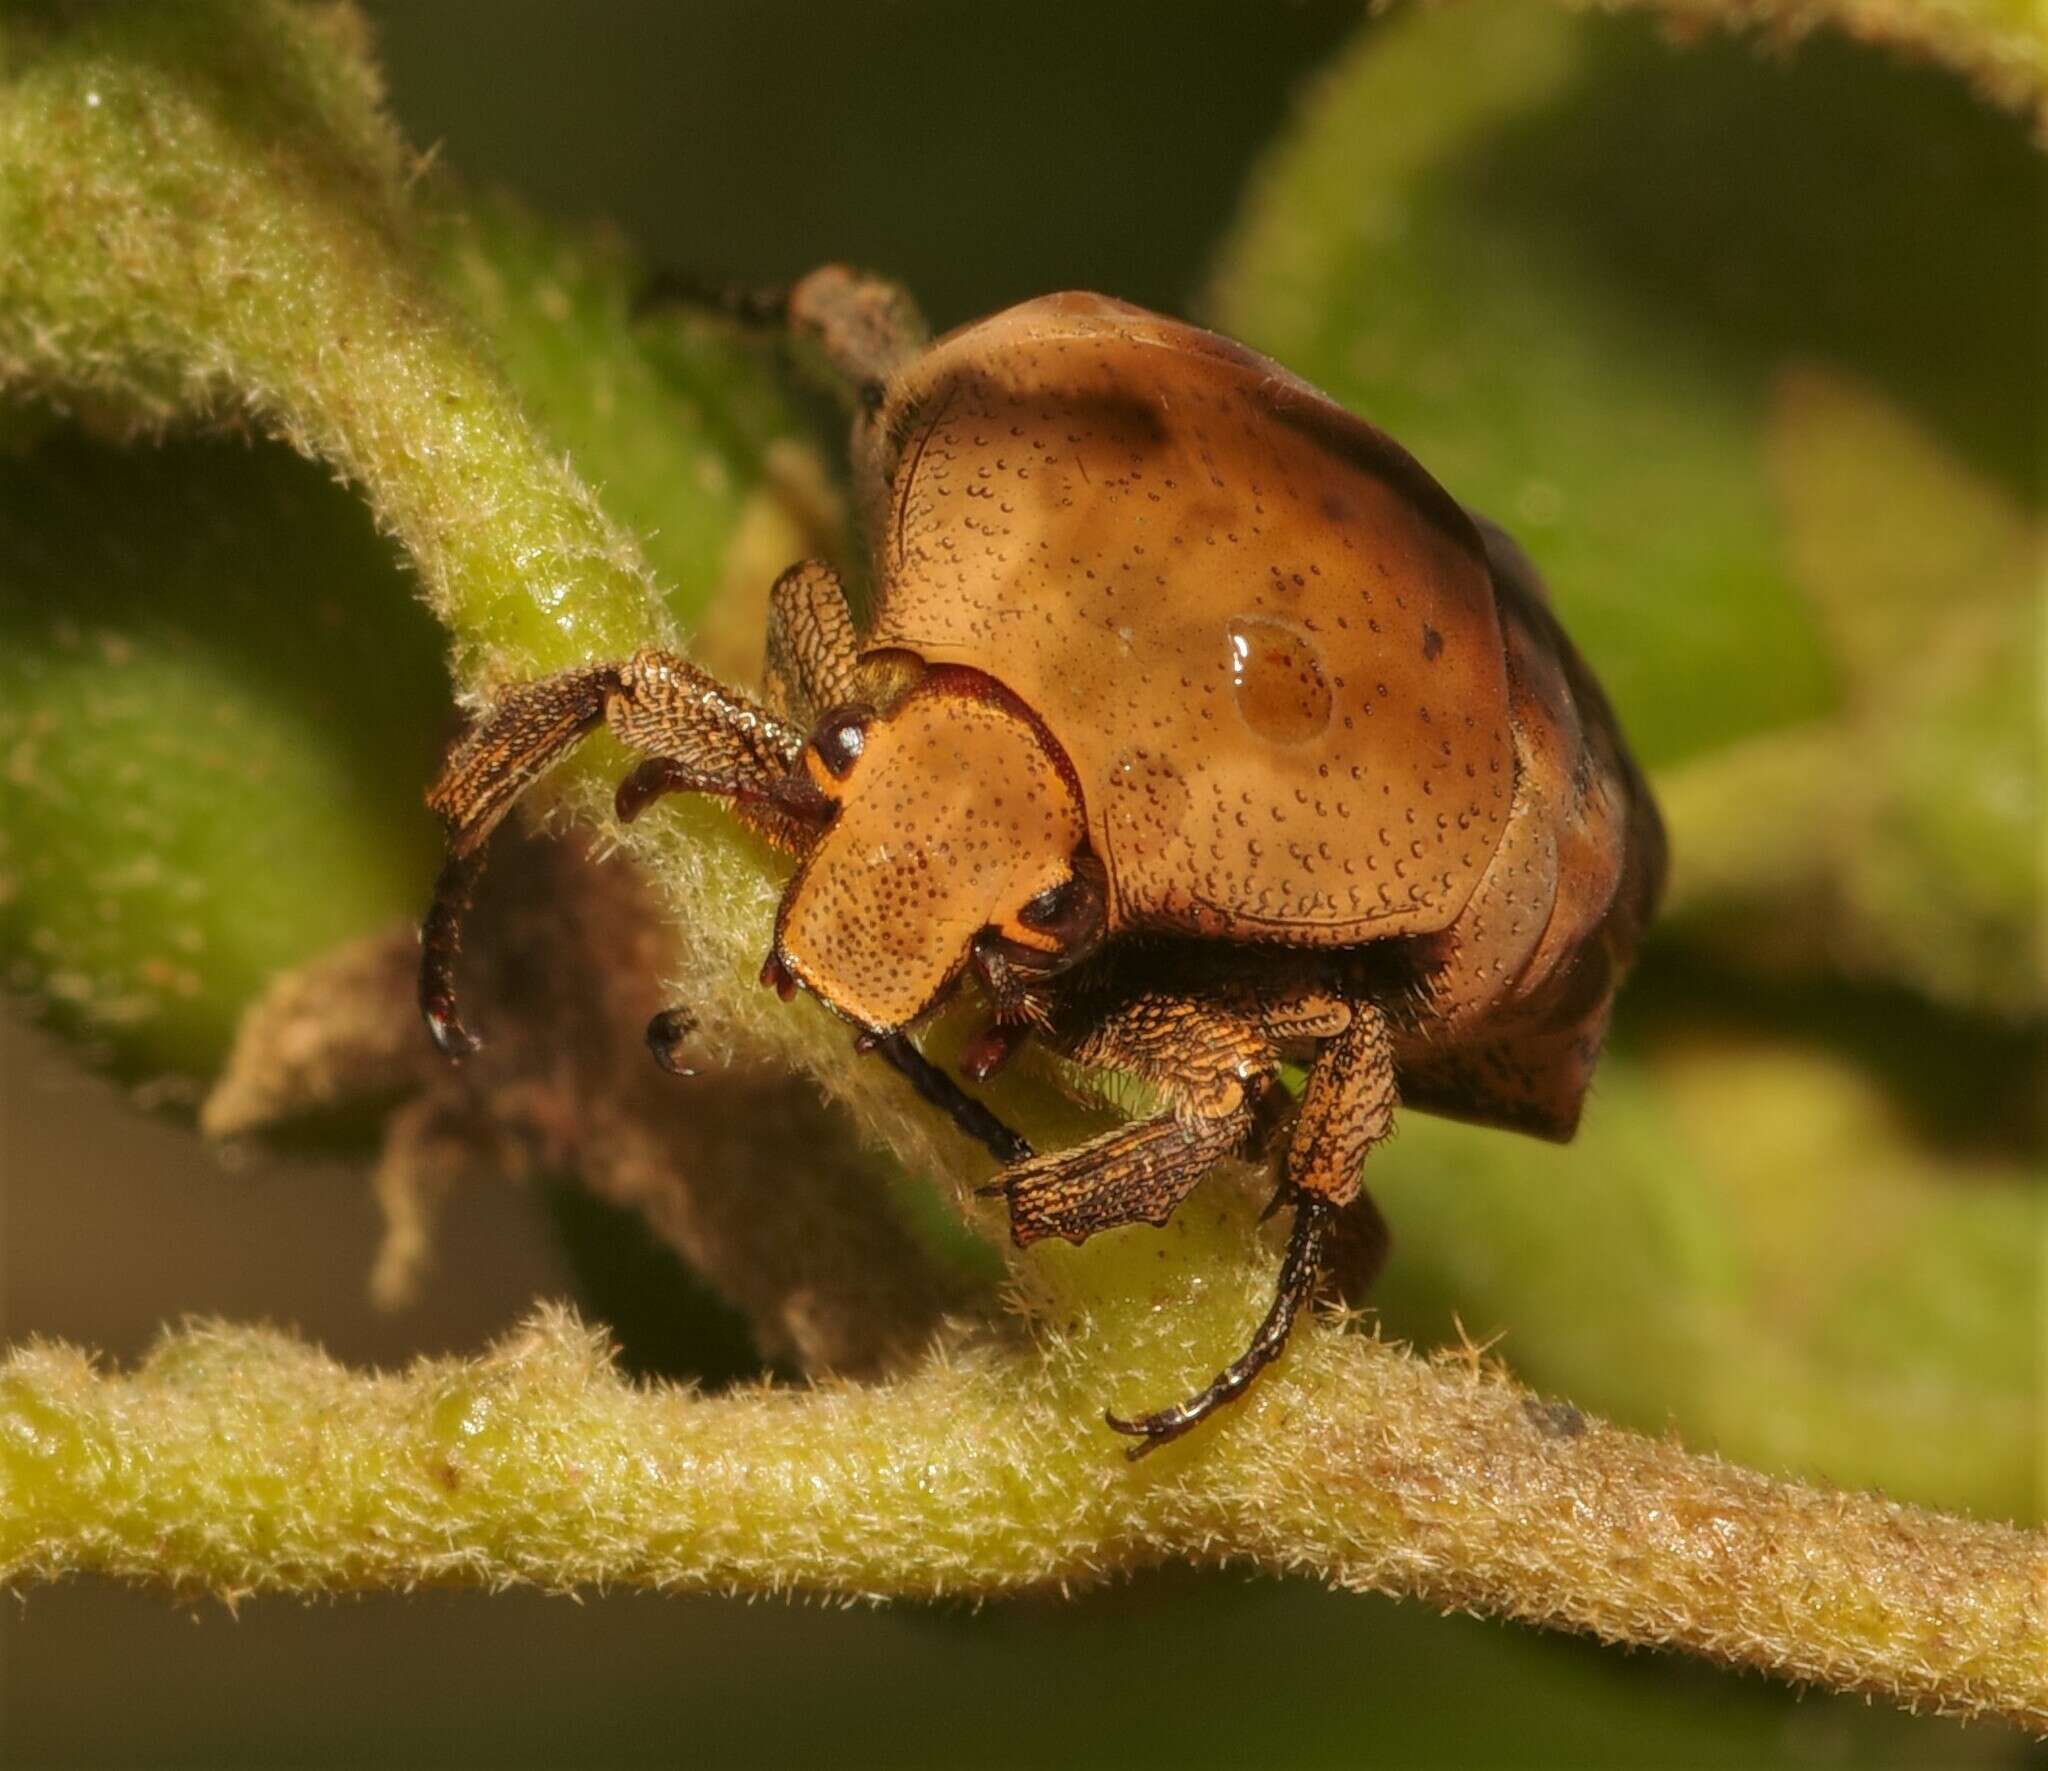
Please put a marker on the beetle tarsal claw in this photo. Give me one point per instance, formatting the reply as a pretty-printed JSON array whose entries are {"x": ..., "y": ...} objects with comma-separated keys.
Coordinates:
[
  {"x": 1299, "y": 1269},
  {"x": 440, "y": 940},
  {"x": 665, "y": 1035},
  {"x": 451, "y": 1038}
]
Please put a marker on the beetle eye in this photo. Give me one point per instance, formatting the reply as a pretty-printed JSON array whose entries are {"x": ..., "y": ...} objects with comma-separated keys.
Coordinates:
[
  {"x": 1056, "y": 929},
  {"x": 1043, "y": 911},
  {"x": 840, "y": 738}
]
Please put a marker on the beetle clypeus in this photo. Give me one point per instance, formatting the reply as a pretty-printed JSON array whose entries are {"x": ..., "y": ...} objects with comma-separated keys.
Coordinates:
[{"x": 1196, "y": 721}]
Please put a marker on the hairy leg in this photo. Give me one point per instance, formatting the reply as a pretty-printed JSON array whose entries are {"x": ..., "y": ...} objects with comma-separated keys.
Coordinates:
[
  {"x": 1212, "y": 1060},
  {"x": 704, "y": 737},
  {"x": 1300, "y": 1267},
  {"x": 531, "y": 727},
  {"x": 972, "y": 1117},
  {"x": 528, "y": 729},
  {"x": 812, "y": 646},
  {"x": 864, "y": 327},
  {"x": 1137, "y": 1174},
  {"x": 1347, "y": 1107},
  {"x": 667, "y": 707},
  {"x": 668, "y": 1030},
  {"x": 1214, "y": 1054}
]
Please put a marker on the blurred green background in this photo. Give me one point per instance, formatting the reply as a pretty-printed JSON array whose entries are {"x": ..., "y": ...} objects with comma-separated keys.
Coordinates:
[{"x": 1745, "y": 349}]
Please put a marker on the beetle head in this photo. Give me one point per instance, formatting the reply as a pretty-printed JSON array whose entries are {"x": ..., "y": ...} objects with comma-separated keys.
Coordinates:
[{"x": 955, "y": 833}]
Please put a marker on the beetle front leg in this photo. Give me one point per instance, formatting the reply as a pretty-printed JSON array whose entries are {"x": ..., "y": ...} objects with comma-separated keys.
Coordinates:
[
  {"x": 704, "y": 736},
  {"x": 1300, "y": 1268},
  {"x": 1347, "y": 1108},
  {"x": 531, "y": 727},
  {"x": 812, "y": 646}
]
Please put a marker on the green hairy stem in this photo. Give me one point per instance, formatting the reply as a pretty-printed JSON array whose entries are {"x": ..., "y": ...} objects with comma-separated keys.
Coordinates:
[{"x": 270, "y": 1467}]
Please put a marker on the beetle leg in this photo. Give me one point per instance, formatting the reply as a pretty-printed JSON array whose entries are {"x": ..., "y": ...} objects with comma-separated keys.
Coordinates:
[
  {"x": 864, "y": 326},
  {"x": 992, "y": 1048},
  {"x": 530, "y": 729},
  {"x": 1299, "y": 1270},
  {"x": 812, "y": 647},
  {"x": 1199, "y": 1048},
  {"x": 971, "y": 1116},
  {"x": 751, "y": 304},
  {"x": 712, "y": 740},
  {"x": 666, "y": 1034},
  {"x": 668, "y": 1030},
  {"x": 1136, "y": 1174},
  {"x": 1347, "y": 1108},
  {"x": 666, "y": 706},
  {"x": 1359, "y": 1243},
  {"x": 1211, "y": 1058}
]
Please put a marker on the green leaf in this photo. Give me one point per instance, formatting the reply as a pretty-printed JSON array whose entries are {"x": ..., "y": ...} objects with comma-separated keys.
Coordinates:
[
  {"x": 1750, "y": 1240},
  {"x": 212, "y": 742}
]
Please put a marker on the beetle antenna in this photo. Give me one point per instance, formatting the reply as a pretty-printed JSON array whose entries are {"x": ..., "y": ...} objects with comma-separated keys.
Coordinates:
[
  {"x": 1299, "y": 1269},
  {"x": 751, "y": 304},
  {"x": 531, "y": 728}
]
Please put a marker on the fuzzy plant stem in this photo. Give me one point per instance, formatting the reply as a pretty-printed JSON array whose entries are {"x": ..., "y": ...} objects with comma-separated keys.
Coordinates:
[{"x": 237, "y": 1461}]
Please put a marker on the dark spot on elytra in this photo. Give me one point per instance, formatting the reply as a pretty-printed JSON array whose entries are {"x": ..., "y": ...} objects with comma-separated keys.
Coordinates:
[
  {"x": 1350, "y": 440},
  {"x": 1127, "y": 415},
  {"x": 1432, "y": 642}
]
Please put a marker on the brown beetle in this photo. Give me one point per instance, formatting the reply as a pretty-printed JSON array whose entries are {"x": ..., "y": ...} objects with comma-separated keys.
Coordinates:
[{"x": 1197, "y": 721}]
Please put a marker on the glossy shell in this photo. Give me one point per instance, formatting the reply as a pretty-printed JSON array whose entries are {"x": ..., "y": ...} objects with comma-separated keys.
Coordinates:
[{"x": 1266, "y": 639}]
